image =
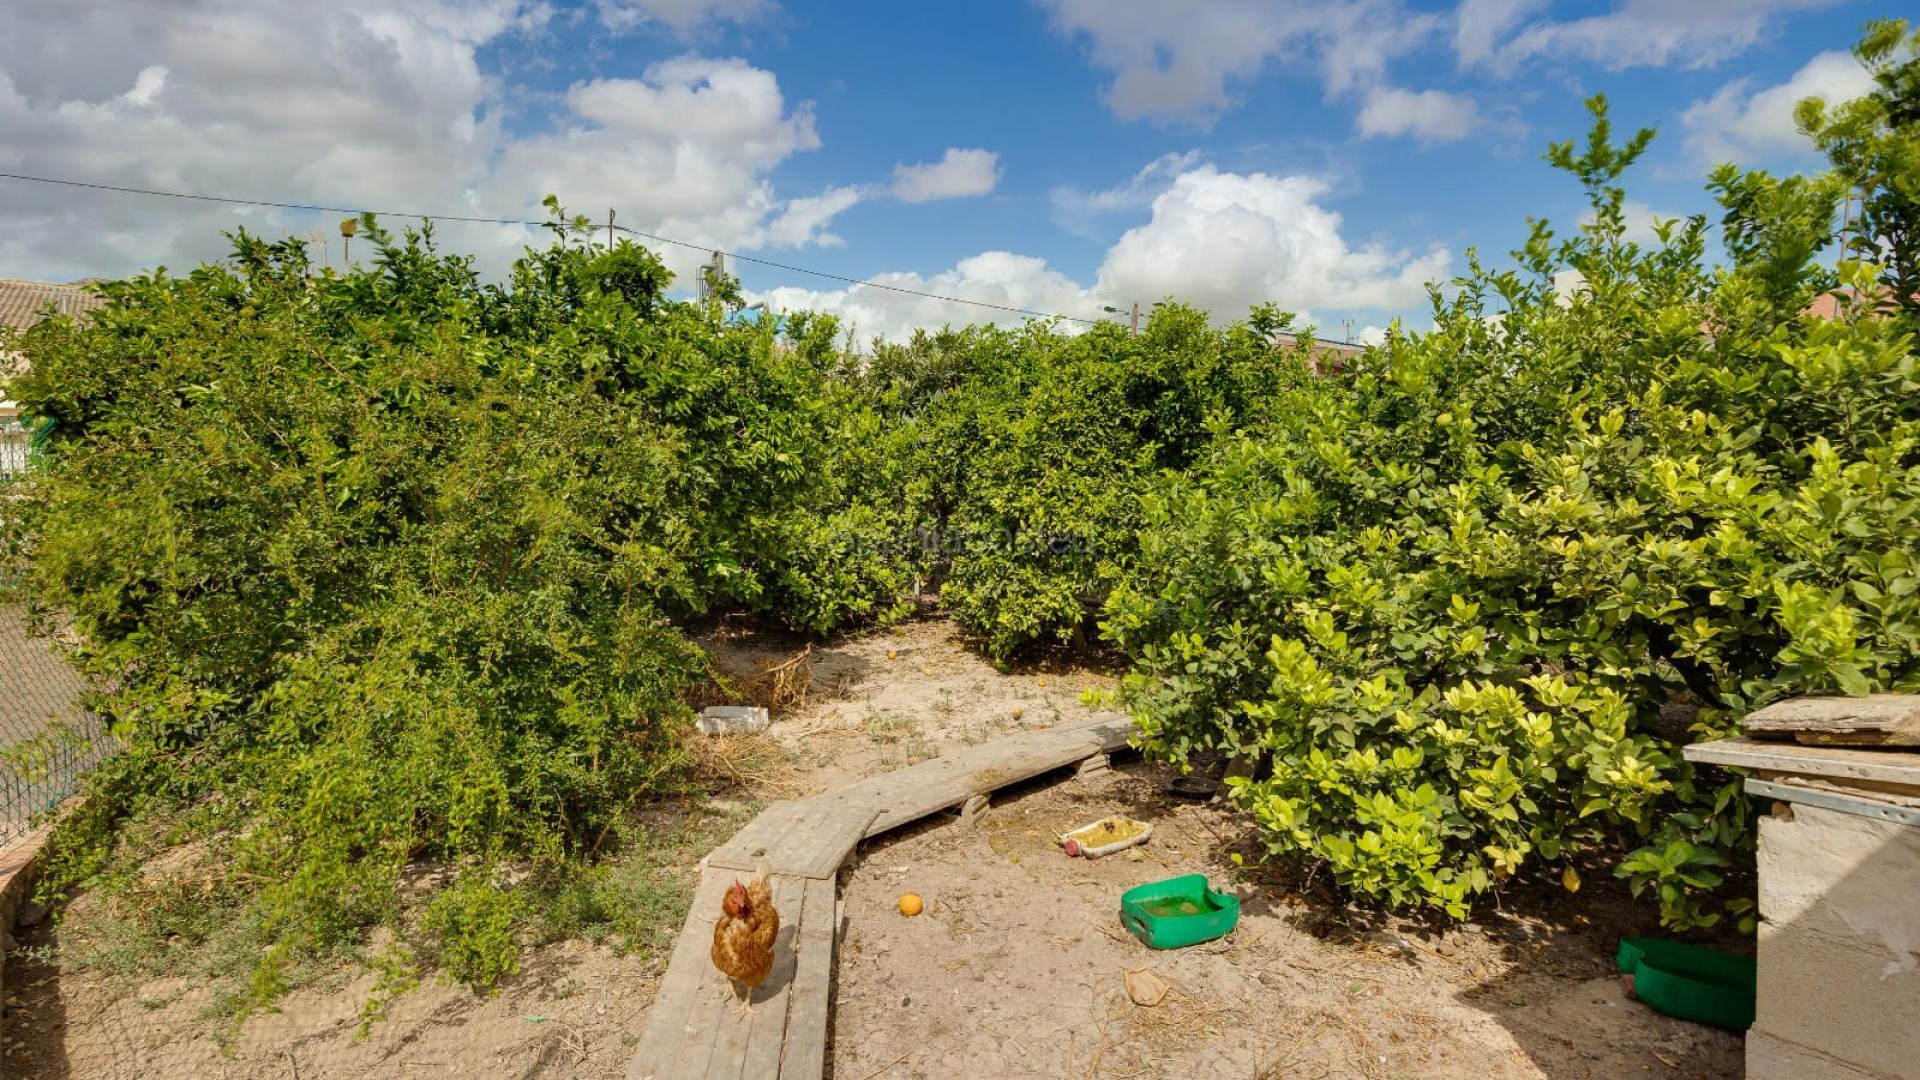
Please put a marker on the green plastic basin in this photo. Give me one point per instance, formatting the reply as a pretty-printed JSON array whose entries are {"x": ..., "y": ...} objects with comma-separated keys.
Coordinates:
[
  {"x": 1178, "y": 912},
  {"x": 1689, "y": 981}
]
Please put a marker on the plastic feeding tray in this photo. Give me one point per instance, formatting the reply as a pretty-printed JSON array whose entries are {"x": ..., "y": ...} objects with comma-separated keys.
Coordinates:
[
  {"x": 1690, "y": 982},
  {"x": 1177, "y": 912},
  {"x": 1106, "y": 836}
]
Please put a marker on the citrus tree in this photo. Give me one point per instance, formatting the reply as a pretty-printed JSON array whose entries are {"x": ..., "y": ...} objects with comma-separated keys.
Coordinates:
[
  {"x": 385, "y": 565},
  {"x": 1470, "y": 597}
]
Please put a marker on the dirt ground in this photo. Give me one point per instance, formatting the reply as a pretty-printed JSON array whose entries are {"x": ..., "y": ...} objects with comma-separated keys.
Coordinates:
[
  {"x": 1016, "y": 969},
  {"x": 887, "y": 700},
  {"x": 1020, "y": 961}
]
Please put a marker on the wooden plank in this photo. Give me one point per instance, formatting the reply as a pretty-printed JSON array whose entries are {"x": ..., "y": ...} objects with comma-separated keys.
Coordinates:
[
  {"x": 691, "y": 1032},
  {"x": 826, "y": 848},
  {"x": 771, "y": 1017},
  {"x": 805, "y": 1055},
  {"x": 741, "y": 1037},
  {"x": 978, "y": 770},
  {"x": 910, "y": 794},
  {"x": 761, "y": 837},
  {"x": 1879, "y": 766},
  {"x": 661, "y": 1042},
  {"x": 1874, "y": 720},
  {"x": 700, "y": 1020},
  {"x": 814, "y": 838},
  {"x": 1844, "y": 801}
]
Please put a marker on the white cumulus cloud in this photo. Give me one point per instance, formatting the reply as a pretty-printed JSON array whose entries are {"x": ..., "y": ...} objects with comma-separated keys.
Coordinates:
[
  {"x": 804, "y": 221},
  {"x": 1427, "y": 115},
  {"x": 379, "y": 106},
  {"x": 1220, "y": 240},
  {"x": 1742, "y": 122},
  {"x": 683, "y": 151},
  {"x": 999, "y": 278},
  {"x": 958, "y": 174},
  {"x": 1480, "y": 26},
  {"x": 1227, "y": 241},
  {"x": 1182, "y": 62},
  {"x": 1080, "y": 211}
]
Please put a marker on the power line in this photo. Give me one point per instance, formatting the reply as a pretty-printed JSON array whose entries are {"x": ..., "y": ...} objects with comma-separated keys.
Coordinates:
[
  {"x": 263, "y": 202},
  {"x": 520, "y": 221},
  {"x": 856, "y": 281}
]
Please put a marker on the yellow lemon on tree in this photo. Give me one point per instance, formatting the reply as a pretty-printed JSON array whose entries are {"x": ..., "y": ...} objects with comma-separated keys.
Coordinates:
[{"x": 910, "y": 904}]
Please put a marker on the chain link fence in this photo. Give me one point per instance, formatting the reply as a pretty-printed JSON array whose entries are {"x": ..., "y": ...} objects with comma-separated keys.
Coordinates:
[{"x": 48, "y": 739}]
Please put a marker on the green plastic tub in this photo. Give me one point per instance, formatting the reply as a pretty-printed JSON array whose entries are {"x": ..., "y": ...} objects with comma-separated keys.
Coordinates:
[
  {"x": 1178, "y": 912},
  {"x": 1690, "y": 982}
]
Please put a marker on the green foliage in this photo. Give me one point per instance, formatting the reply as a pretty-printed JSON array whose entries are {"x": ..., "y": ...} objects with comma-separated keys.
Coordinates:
[
  {"x": 637, "y": 901},
  {"x": 1471, "y": 596},
  {"x": 382, "y": 566},
  {"x": 1029, "y": 451},
  {"x": 475, "y": 921},
  {"x": 1874, "y": 144},
  {"x": 385, "y": 566}
]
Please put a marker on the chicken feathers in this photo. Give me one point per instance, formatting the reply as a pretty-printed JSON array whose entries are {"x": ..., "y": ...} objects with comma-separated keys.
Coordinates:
[{"x": 743, "y": 937}]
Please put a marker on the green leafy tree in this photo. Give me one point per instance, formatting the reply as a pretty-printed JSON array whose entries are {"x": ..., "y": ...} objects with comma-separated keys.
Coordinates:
[
  {"x": 384, "y": 565},
  {"x": 1030, "y": 450},
  {"x": 1874, "y": 144},
  {"x": 1470, "y": 596}
]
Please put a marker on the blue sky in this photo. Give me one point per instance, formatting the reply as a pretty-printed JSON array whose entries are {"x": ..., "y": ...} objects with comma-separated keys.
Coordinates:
[{"x": 1062, "y": 155}]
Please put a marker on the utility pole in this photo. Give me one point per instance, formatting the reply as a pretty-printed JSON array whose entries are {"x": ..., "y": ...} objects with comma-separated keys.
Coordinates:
[
  {"x": 1133, "y": 328},
  {"x": 609, "y": 228}
]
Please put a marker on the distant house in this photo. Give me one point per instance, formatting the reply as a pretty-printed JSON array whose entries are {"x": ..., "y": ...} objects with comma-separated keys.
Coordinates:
[
  {"x": 23, "y": 303},
  {"x": 1845, "y": 303}
]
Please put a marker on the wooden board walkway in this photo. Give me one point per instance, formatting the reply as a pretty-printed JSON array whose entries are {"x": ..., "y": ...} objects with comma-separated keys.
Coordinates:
[{"x": 692, "y": 1031}]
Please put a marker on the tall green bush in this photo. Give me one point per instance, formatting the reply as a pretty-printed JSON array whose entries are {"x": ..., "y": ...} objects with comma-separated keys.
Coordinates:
[
  {"x": 383, "y": 565},
  {"x": 1029, "y": 451},
  {"x": 1470, "y": 597}
]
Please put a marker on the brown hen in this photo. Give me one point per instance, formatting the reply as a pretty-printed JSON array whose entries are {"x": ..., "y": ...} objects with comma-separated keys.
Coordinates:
[{"x": 743, "y": 938}]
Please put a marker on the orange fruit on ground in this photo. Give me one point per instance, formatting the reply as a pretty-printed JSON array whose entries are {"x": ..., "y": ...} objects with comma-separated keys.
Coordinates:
[{"x": 910, "y": 905}]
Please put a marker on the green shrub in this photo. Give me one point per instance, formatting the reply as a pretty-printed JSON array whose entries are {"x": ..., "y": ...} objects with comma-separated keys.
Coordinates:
[
  {"x": 383, "y": 565},
  {"x": 1471, "y": 596},
  {"x": 1028, "y": 451}
]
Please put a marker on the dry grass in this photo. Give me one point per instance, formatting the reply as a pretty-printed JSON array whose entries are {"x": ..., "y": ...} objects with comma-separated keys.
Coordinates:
[
  {"x": 997, "y": 776},
  {"x": 751, "y": 763},
  {"x": 1286, "y": 1054},
  {"x": 782, "y": 686}
]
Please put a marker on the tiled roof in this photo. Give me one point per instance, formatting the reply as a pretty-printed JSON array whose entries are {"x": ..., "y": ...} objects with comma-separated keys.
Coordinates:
[
  {"x": 22, "y": 303},
  {"x": 1824, "y": 306}
]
